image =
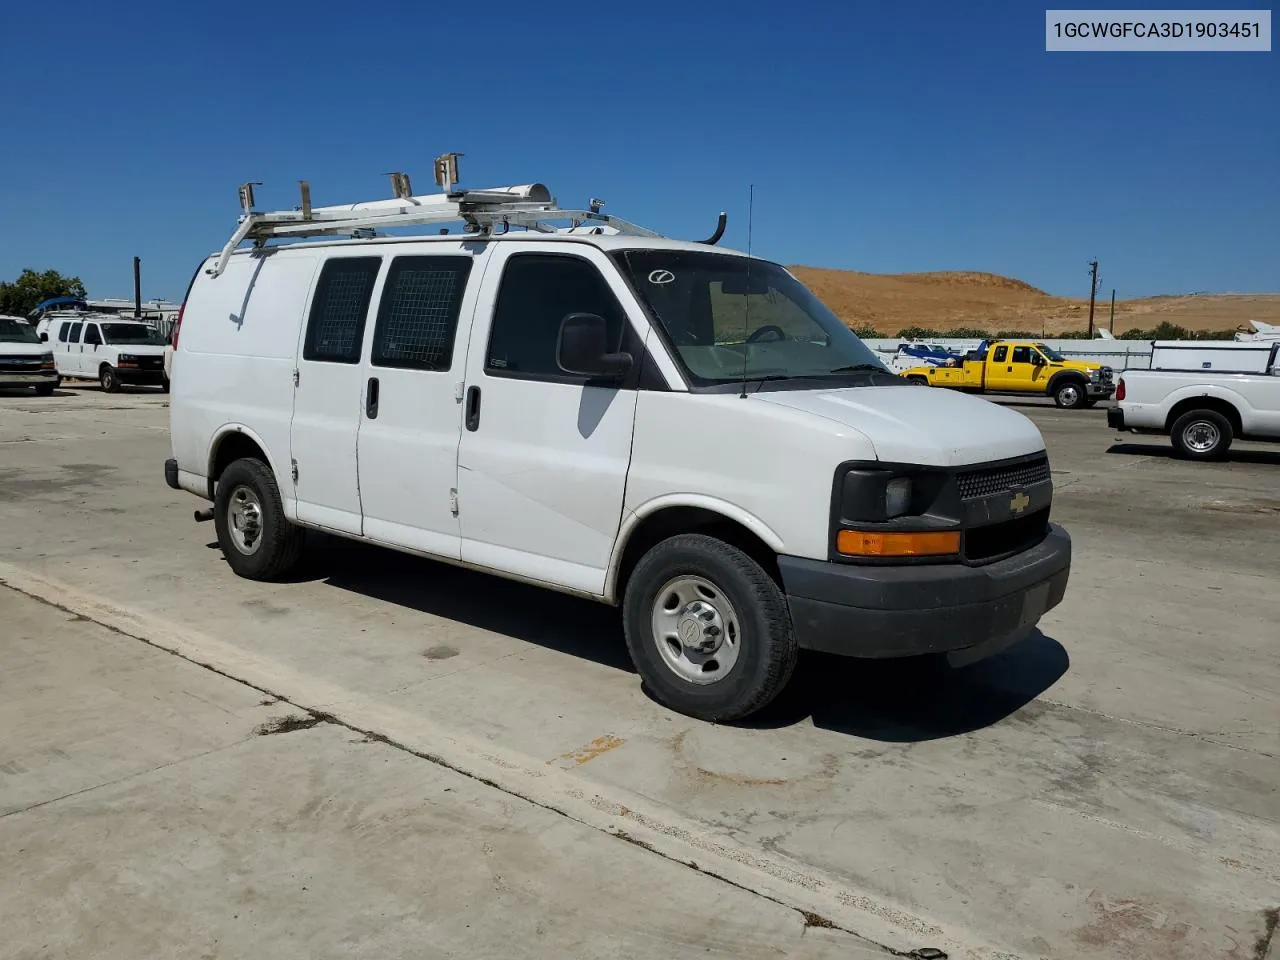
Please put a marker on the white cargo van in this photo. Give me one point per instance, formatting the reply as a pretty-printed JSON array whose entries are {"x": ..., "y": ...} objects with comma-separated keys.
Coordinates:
[
  {"x": 681, "y": 430},
  {"x": 105, "y": 348}
]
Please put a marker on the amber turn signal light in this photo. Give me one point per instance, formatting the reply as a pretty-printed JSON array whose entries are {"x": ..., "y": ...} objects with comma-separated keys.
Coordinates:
[{"x": 861, "y": 543}]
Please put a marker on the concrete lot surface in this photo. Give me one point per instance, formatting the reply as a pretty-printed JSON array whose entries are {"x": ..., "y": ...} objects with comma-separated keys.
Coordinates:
[
  {"x": 147, "y": 809},
  {"x": 1108, "y": 788}
]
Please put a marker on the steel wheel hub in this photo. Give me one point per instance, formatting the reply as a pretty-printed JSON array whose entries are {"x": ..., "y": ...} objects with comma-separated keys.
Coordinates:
[
  {"x": 244, "y": 520},
  {"x": 1201, "y": 436},
  {"x": 696, "y": 629}
]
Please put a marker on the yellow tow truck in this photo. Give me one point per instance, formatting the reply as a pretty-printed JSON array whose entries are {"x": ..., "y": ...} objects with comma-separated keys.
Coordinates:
[{"x": 1021, "y": 367}]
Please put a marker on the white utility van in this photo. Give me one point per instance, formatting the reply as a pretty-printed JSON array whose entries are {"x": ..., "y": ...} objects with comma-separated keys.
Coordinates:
[
  {"x": 683, "y": 431},
  {"x": 25, "y": 361},
  {"x": 108, "y": 349}
]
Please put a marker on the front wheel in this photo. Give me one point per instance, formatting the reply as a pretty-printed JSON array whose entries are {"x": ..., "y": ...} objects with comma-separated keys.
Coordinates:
[
  {"x": 1070, "y": 394},
  {"x": 256, "y": 539},
  {"x": 922, "y": 381},
  {"x": 1201, "y": 435},
  {"x": 708, "y": 629},
  {"x": 164, "y": 385},
  {"x": 109, "y": 379}
]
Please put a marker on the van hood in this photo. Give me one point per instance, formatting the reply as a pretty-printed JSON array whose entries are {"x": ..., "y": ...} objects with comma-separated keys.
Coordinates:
[
  {"x": 23, "y": 349},
  {"x": 918, "y": 424}
]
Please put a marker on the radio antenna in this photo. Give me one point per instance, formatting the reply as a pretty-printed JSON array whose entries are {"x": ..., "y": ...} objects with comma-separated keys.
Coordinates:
[{"x": 746, "y": 297}]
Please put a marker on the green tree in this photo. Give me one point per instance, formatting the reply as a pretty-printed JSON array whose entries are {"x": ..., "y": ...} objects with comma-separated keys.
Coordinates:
[{"x": 19, "y": 298}]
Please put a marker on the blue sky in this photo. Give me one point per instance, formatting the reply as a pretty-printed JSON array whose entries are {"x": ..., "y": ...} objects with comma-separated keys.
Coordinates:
[{"x": 880, "y": 136}]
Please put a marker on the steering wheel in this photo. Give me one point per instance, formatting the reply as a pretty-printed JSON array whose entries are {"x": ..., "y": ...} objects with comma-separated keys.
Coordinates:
[{"x": 758, "y": 335}]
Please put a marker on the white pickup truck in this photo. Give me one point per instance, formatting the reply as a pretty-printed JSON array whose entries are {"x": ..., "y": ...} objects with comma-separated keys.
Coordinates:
[{"x": 1203, "y": 396}]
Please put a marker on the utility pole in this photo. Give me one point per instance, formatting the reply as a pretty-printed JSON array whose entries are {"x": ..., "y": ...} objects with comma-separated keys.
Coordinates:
[
  {"x": 137, "y": 288},
  {"x": 1093, "y": 291},
  {"x": 1112, "y": 323}
]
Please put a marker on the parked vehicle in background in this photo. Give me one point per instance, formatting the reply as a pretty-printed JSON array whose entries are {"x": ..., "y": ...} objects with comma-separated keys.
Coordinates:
[
  {"x": 684, "y": 431},
  {"x": 114, "y": 352},
  {"x": 1021, "y": 367},
  {"x": 1223, "y": 391},
  {"x": 25, "y": 361}
]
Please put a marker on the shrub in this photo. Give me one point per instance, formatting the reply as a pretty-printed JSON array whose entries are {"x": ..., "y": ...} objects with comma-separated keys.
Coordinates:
[
  {"x": 915, "y": 333},
  {"x": 868, "y": 333}
]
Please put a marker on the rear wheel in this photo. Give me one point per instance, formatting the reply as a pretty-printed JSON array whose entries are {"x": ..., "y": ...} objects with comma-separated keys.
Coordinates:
[
  {"x": 109, "y": 379},
  {"x": 1201, "y": 435},
  {"x": 708, "y": 629},
  {"x": 1069, "y": 394},
  {"x": 256, "y": 539}
]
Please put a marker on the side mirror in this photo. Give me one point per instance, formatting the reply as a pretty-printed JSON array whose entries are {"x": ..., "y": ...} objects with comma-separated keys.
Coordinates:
[
  {"x": 582, "y": 349},
  {"x": 44, "y": 338},
  {"x": 1037, "y": 360}
]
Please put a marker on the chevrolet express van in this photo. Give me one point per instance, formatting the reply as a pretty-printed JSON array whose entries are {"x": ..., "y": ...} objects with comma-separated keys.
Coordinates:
[{"x": 683, "y": 431}]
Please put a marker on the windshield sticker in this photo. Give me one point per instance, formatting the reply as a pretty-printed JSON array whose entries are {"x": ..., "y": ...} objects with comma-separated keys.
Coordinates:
[{"x": 661, "y": 276}]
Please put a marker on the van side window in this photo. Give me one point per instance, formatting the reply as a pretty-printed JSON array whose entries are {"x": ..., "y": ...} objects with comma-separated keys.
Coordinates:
[
  {"x": 64, "y": 330},
  {"x": 1000, "y": 354},
  {"x": 537, "y": 292},
  {"x": 418, "y": 315},
  {"x": 74, "y": 335},
  {"x": 335, "y": 330},
  {"x": 1021, "y": 355},
  {"x": 92, "y": 334}
]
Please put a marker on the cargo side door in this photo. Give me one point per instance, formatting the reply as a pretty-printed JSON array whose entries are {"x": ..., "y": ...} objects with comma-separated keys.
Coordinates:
[
  {"x": 329, "y": 393},
  {"x": 411, "y": 419}
]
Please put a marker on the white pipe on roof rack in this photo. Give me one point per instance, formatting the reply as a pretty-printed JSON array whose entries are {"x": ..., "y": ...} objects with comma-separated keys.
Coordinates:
[{"x": 528, "y": 193}]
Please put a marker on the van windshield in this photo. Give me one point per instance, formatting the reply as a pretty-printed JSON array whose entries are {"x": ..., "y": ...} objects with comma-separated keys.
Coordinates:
[
  {"x": 726, "y": 316},
  {"x": 133, "y": 333},
  {"x": 16, "y": 331}
]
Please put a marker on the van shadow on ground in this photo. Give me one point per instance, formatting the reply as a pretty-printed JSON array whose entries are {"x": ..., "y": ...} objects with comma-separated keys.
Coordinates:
[
  {"x": 890, "y": 701},
  {"x": 1165, "y": 450}
]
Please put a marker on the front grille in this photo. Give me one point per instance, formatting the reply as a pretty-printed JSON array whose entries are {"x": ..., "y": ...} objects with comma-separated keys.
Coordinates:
[
  {"x": 151, "y": 363},
  {"x": 984, "y": 482},
  {"x": 20, "y": 364},
  {"x": 1012, "y": 536}
]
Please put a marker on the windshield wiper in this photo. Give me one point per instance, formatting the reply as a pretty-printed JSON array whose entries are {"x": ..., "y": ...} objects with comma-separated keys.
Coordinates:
[{"x": 857, "y": 367}]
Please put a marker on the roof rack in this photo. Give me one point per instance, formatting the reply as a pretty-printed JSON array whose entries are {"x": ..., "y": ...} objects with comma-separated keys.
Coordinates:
[{"x": 529, "y": 206}]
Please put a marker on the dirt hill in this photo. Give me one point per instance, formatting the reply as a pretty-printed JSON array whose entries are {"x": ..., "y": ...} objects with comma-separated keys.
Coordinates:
[{"x": 949, "y": 299}]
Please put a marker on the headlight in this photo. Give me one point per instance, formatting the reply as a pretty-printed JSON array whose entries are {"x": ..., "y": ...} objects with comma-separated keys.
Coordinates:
[
  {"x": 128, "y": 358},
  {"x": 897, "y": 497}
]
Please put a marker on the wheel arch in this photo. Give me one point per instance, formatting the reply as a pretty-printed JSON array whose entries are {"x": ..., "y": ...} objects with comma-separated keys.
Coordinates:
[
  {"x": 1057, "y": 379},
  {"x": 655, "y": 521},
  {"x": 1204, "y": 402},
  {"x": 232, "y": 442}
]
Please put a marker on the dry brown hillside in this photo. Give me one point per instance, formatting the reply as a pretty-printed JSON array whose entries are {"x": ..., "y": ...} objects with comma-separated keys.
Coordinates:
[{"x": 940, "y": 301}]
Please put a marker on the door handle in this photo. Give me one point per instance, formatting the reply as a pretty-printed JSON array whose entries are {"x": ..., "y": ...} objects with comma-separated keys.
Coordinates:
[
  {"x": 473, "y": 408},
  {"x": 371, "y": 399}
]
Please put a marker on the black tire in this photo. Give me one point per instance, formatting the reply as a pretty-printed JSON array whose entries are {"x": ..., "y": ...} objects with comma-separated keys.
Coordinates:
[
  {"x": 46, "y": 389},
  {"x": 109, "y": 379},
  {"x": 1070, "y": 393},
  {"x": 164, "y": 385},
  {"x": 923, "y": 381},
  {"x": 766, "y": 651},
  {"x": 1202, "y": 435},
  {"x": 278, "y": 543}
]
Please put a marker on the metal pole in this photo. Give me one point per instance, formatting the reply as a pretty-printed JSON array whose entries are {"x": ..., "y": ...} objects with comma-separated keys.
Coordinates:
[
  {"x": 1093, "y": 292},
  {"x": 137, "y": 288},
  {"x": 1112, "y": 322}
]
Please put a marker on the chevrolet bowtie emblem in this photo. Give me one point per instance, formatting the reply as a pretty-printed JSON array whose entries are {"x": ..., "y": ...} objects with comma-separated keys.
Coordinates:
[{"x": 1019, "y": 502}]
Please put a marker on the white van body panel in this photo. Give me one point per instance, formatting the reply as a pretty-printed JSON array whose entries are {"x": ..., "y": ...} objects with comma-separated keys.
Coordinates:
[{"x": 236, "y": 360}]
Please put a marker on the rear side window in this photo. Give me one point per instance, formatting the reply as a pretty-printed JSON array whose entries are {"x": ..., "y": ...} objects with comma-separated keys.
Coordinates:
[
  {"x": 335, "y": 329},
  {"x": 74, "y": 335},
  {"x": 1000, "y": 354},
  {"x": 64, "y": 331},
  {"x": 418, "y": 315},
  {"x": 537, "y": 292}
]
